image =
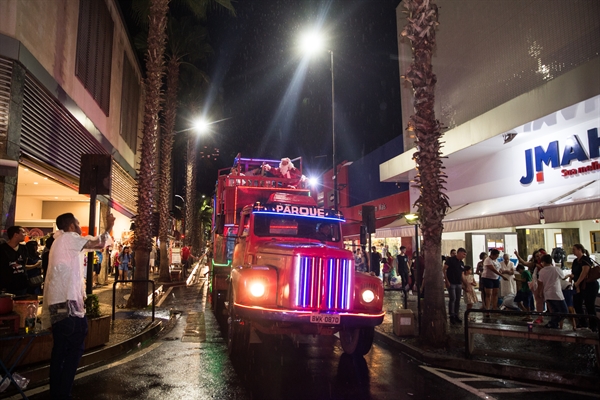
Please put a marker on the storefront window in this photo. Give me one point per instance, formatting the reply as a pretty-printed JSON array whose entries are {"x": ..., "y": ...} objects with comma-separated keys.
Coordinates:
[
  {"x": 595, "y": 241},
  {"x": 558, "y": 241}
]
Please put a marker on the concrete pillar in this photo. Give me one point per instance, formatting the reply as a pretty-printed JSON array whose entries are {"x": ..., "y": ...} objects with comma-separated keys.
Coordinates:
[{"x": 10, "y": 143}]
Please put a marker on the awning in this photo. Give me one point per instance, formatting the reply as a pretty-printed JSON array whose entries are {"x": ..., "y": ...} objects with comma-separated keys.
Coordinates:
[
  {"x": 398, "y": 228},
  {"x": 571, "y": 203}
]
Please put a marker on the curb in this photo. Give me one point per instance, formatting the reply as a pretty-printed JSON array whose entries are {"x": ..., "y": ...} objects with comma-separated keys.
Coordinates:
[
  {"x": 39, "y": 375},
  {"x": 505, "y": 371}
]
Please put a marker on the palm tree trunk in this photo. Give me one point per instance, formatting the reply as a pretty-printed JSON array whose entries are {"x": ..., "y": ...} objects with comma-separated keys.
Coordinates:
[
  {"x": 166, "y": 164},
  {"x": 147, "y": 172},
  {"x": 190, "y": 189},
  {"x": 432, "y": 202}
]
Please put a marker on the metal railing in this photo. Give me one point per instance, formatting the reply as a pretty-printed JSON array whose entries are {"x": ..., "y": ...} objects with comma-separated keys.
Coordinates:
[
  {"x": 563, "y": 316},
  {"x": 134, "y": 281}
]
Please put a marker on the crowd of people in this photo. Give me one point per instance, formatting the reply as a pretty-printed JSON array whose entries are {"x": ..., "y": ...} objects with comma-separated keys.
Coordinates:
[
  {"x": 397, "y": 271},
  {"x": 535, "y": 285}
]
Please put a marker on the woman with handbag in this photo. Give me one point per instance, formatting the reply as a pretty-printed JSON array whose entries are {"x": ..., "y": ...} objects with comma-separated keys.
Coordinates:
[{"x": 585, "y": 291}]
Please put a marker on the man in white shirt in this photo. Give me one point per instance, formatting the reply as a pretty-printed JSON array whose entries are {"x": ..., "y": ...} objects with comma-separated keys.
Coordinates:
[
  {"x": 64, "y": 294},
  {"x": 549, "y": 278}
]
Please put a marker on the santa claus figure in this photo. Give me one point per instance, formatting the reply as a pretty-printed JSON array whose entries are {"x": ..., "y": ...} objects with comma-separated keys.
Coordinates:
[{"x": 286, "y": 170}]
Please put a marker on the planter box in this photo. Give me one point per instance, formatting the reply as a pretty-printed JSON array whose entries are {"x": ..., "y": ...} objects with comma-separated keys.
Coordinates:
[
  {"x": 41, "y": 348},
  {"x": 98, "y": 332},
  {"x": 175, "y": 275}
]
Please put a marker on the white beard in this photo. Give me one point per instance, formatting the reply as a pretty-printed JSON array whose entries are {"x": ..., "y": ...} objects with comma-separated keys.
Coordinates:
[{"x": 285, "y": 171}]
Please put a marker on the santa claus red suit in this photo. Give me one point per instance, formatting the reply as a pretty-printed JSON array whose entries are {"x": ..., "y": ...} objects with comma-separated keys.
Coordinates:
[{"x": 286, "y": 170}]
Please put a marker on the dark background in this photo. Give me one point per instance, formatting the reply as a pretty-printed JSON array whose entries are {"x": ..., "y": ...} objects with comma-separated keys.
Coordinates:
[{"x": 273, "y": 108}]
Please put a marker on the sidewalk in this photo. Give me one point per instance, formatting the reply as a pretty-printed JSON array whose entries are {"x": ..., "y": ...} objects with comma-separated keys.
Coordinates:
[
  {"x": 532, "y": 360},
  {"x": 129, "y": 330},
  {"x": 545, "y": 362}
]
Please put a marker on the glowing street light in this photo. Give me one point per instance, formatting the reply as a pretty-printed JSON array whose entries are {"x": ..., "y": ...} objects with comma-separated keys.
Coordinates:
[
  {"x": 201, "y": 125},
  {"x": 311, "y": 43}
]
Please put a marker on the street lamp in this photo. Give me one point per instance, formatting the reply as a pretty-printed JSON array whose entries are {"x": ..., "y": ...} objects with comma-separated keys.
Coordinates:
[
  {"x": 311, "y": 43},
  {"x": 201, "y": 127},
  {"x": 413, "y": 219}
]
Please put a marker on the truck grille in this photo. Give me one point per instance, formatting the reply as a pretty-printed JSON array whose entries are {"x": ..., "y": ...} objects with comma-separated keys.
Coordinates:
[{"x": 323, "y": 283}]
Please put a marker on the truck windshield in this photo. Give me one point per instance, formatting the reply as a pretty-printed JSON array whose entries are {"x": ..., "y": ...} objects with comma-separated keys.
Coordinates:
[{"x": 293, "y": 226}]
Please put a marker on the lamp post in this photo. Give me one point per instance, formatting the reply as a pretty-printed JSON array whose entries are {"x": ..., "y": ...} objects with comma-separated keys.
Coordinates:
[
  {"x": 312, "y": 42},
  {"x": 200, "y": 126},
  {"x": 335, "y": 186},
  {"x": 413, "y": 219}
]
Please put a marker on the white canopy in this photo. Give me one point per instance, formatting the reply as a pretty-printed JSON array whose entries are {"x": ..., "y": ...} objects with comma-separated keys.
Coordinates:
[{"x": 571, "y": 203}]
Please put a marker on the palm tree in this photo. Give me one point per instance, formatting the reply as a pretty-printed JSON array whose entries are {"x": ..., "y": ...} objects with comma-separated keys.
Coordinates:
[
  {"x": 187, "y": 44},
  {"x": 146, "y": 177},
  {"x": 203, "y": 222},
  {"x": 157, "y": 24},
  {"x": 432, "y": 202},
  {"x": 190, "y": 188}
]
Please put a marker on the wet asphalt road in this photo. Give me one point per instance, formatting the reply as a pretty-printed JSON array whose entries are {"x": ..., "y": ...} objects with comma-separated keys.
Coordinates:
[{"x": 189, "y": 361}]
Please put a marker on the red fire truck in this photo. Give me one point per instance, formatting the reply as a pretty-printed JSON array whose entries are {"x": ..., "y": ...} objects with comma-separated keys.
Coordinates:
[{"x": 279, "y": 265}]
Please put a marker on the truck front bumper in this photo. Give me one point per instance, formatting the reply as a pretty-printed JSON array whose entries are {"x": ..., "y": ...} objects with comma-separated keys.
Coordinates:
[{"x": 347, "y": 319}]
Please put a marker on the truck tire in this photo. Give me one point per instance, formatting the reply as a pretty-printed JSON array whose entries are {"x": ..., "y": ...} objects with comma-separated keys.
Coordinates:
[
  {"x": 219, "y": 304},
  {"x": 238, "y": 332},
  {"x": 357, "y": 341}
]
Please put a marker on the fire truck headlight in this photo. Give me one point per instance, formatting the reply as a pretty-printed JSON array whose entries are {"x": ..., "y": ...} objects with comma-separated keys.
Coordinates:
[
  {"x": 368, "y": 296},
  {"x": 257, "y": 289}
]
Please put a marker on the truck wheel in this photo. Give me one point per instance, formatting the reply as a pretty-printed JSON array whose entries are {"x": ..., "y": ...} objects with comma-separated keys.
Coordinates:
[
  {"x": 219, "y": 304},
  {"x": 357, "y": 341},
  {"x": 238, "y": 333}
]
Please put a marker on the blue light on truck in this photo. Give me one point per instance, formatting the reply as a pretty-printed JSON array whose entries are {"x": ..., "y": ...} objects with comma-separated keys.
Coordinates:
[{"x": 302, "y": 216}]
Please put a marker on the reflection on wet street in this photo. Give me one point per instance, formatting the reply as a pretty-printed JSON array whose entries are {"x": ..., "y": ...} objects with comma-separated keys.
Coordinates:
[{"x": 189, "y": 360}]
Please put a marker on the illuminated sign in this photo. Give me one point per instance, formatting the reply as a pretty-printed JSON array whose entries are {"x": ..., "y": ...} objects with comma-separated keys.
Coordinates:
[
  {"x": 303, "y": 211},
  {"x": 551, "y": 157},
  {"x": 299, "y": 210}
]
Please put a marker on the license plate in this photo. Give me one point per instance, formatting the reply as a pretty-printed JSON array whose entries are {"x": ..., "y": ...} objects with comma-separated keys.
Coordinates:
[{"x": 317, "y": 318}]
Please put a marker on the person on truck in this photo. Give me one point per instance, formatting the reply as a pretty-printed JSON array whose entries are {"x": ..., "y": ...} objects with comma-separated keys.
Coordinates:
[
  {"x": 288, "y": 171},
  {"x": 323, "y": 233}
]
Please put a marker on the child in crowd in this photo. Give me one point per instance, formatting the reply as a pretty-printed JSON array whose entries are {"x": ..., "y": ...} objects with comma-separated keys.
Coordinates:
[
  {"x": 524, "y": 297},
  {"x": 468, "y": 285},
  {"x": 549, "y": 278}
]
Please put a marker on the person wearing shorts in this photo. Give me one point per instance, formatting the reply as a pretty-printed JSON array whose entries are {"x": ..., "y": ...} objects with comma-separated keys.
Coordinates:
[
  {"x": 96, "y": 268},
  {"x": 124, "y": 261},
  {"x": 489, "y": 280}
]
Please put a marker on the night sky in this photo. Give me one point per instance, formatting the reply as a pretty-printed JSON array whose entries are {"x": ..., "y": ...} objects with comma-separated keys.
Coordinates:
[
  {"x": 276, "y": 108},
  {"x": 274, "y": 102}
]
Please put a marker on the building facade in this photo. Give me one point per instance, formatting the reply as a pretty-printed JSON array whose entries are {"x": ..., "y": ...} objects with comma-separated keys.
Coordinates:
[
  {"x": 70, "y": 85},
  {"x": 518, "y": 87}
]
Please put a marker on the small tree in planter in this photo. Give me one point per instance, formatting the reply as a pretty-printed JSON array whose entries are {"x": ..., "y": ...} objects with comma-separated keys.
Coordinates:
[
  {"x": 98, "y": 325},
  {"x": 92, "y": 306}
]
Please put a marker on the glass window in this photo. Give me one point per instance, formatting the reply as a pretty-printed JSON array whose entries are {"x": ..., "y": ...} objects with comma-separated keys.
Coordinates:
[
  {"x": 595, "y": 241},
  {"x": 94, "y": 50},
  {"x": 130, "y": 104},
  {"x": 297, "y": 227}
]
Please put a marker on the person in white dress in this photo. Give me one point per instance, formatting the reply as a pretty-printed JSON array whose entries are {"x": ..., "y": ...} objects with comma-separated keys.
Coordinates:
[{"x": 507, "y": 269}]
